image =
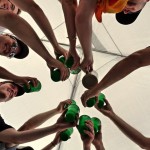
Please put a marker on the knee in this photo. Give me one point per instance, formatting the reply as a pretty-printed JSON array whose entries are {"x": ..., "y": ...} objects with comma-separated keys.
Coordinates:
[{"x": 80, "y": 18}]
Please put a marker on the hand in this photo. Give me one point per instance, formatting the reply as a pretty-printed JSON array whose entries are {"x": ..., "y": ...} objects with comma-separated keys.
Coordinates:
[
  {"x": 87, "y": 64},
  {"x": 56, "y": 64},
  {"x": 61, "y": 107},
  {"x": 106, "y": 109},
  {"x": 60, "y": 51},
  {"x": 87, "y": 140},
  {"x": 26, "y": 80},
  {"x": 89, "y": 94},
  {"x": 76, "y": 59},
  {"x": 97, "y": 139},
  {"x": 63, "y": 124}
]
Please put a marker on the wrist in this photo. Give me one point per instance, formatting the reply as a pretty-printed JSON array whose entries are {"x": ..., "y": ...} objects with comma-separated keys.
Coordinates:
[
  {"x": 97, "y": 146},
  {"x": 57, "y": 111},
  {"x": 111, "y": 115},
  {"x": 86, "y": 146},
  {"x": 53, "y": 144}
]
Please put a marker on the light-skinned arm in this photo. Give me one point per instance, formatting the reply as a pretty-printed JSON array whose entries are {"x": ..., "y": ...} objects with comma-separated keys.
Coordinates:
[
  {"x": 88, "y": 137},
  {"x": 69, "y": 9},
  {"x": 25, "y": 32},
  {"x": 5, "y": 74},
  {"x": 40, "y": 18},
  {"x": 97, "y": 142},
  {"x": 18, "y": 137},
  {"x": 127, "y": 129},
  {"x": 39, "y": 119},
  {"x": 123, "y": 68}
]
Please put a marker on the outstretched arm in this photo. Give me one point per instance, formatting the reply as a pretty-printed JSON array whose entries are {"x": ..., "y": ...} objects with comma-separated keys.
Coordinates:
[
  {"x": 40, "y": 18},
  {"x": 39, "y": 119},
  {"x": 128, "y": 130},
  {"x": 18, "y": 137},
  {"x": 5, "y": 74},
  {"x": 25, "y": 32},
  {"x": 119, "y": 71}
]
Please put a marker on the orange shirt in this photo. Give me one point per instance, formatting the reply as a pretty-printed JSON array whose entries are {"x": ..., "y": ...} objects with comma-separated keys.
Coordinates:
[{"x": 109, "y": 6}]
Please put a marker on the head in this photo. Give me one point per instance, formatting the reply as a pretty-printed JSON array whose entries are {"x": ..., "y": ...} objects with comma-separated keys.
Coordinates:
[
  {"x": 10, "y": 46},
  {"x": 9, "y": 90},
  {"x": 8, "y": 5},
  {"x": 134, "y": 6},
  {"x": 131, "y": 12}
]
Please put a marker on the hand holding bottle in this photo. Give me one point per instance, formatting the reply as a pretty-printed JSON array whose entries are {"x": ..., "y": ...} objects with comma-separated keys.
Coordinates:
[
  {"x": 89, "y": 137},
  {"x": 106, "y": 109},
  {"x": 89, "y": 94},
  {"x": 61, "y": 107},
  {"x": 26, "y": 81},
  {"x": 63, "y": 70},
  {"x": 62, "y": 124}
]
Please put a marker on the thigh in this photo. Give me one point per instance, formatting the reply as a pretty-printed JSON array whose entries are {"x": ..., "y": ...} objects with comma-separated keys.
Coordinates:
[{"x": 87, "y": 7}]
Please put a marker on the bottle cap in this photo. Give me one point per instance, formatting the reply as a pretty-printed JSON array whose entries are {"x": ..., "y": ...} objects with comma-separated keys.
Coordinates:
[{"x": 55, "y": 75}]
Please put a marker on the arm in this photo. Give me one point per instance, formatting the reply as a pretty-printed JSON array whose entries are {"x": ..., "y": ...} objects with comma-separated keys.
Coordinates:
[
  {"x": 97, "y": 142},
  {"x": 69, "y": 9},
  {"x": 128, "y": 130},
  {"x": 24, "y": 31},
  {"x": 18, "y": 137},
  {"x": 39, "y": 119},
  {"x": 89, "y": 137},
  {"x": 5, "y": 74},
  {"x": 123, "y": 68},
  {"x": 53, "y": 143},
  {"x": 38, "y": 15}
]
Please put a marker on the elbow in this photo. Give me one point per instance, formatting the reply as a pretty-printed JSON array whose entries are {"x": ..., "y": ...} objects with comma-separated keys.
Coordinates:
[{"x": 145, "y": 143}]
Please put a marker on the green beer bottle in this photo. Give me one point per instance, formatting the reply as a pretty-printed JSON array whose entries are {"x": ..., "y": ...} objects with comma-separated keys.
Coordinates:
[
  {"x": 91, "y": 102},
  {"x": 65, "y": 135},
  {"x": 69, "y": 63},
  {"x": 72, "y": 102},
  {"x": 96, "y": 123},
  {"x": 62, "y": 59},
  {"x": 72, "y": 112},
  {"x": 101, "y": 99},
  {"x": 32, "y": 88},
  {"x": 55, "y": 74},
  {"x": 82, "y": 126}
]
